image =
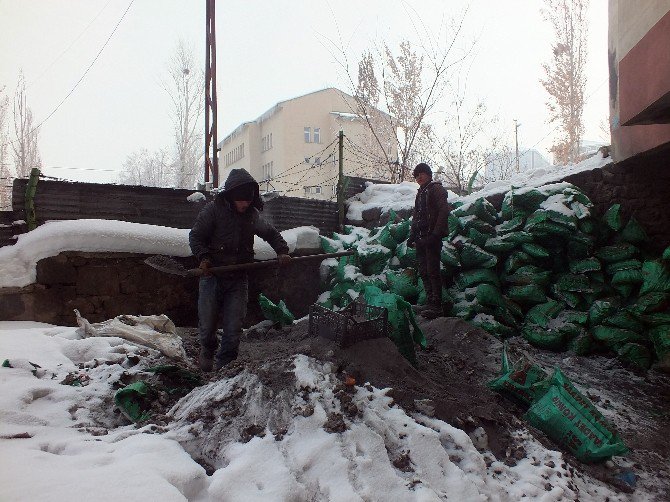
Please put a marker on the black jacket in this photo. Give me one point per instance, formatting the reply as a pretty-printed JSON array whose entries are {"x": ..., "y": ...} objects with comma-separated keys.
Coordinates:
[
  {"x": 225, "y": 236},
  {"x": 438, "y": 211}
]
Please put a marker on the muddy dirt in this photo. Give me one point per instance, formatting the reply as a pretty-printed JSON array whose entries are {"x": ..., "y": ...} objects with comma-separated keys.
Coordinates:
[{"x": 450, "y": 384}]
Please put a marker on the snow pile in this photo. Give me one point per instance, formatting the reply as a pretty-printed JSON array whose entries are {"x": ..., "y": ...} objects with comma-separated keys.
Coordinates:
[
  {"x": 312, "y": 439},
  {"x": 18, "y": 262},
  {"x": 393, "y": 196}
]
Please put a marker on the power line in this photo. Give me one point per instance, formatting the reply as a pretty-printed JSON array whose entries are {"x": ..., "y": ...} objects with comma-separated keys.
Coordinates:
[
  {"x": 84, "y": 74},
  {"x": 69, "y": 46}
]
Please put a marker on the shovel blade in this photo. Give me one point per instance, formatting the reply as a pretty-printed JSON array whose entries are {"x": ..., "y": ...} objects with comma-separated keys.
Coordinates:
[{"x": 167, "y": 265}]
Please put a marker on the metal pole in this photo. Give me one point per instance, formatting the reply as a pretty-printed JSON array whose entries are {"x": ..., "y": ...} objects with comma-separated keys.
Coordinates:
[
  {"x": 211, "y": 146},
  {"x": 516, "y": 142},
  {"x": 340, "y": 182}
]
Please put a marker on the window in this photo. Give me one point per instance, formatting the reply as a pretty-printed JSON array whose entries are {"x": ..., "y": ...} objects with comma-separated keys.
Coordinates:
[
  {"x": 267, "y": 170},
  {"x": 266, "y": 142},
  {"x": 234, "y": 155},
  {"x": 317, "y": 135},
  {"x": 313, "y": 190},
  {"x": 317, "y": 160},
  {"x": 308, "y": 134},
  {"x": 334, "y": 189}
]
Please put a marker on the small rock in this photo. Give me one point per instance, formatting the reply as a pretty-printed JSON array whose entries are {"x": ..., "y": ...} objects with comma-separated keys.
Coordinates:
[
  {"x": 551, "y": 464},
  {"x": 425, "y": 406},
  {"x": 480, "y": 439},
  {"x": 548, "y": 487}
]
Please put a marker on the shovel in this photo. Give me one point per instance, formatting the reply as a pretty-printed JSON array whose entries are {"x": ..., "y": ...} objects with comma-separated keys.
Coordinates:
[{"x": 170, "y": 266}]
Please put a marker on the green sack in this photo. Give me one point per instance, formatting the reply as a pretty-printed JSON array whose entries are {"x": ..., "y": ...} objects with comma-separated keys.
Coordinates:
[
  {"x": 384, "y": 238},
  {"x": 656, "y": 319},
  {"x": 491, "y": 325},
  {"x": 574, "y": 283},
  {"x": 666, "y": 254},
  {"x": 400, "y": 318},
  {"x": 627, "y": 277},
  {"x": 544, "y": 338},
  {"x": 529, "y": 294},
  {"x": 612, "y": 218},
  {"x": 403, "y": 284},
  {"x": 549, "y": 229},
  {"x": 510, "y": 225},
  {"x": 331, "y": 245},
  {"x": 634, "y": 232},
  {"x": 600, "y": 310},
  {"x": 517, "y": 380},
  {"x": 619, "y": 266},
  {"x": 660, "y": 337},
  {"x": 476, "y": 276},
  {"x": 406, "y": 255},
  {"x": 478, "y": 237},
  {"x": 566, "y": 416},
  {"x": 134, "y": 401},
  {"x": 624, "y": 319},
  {"x": 582, "y": 345},
  {"x": 449, "y": 255},
  {"x": 373, "y": 258},
  {"x": 488, "y": 294},
  {"x": 614, "y": 337},
  {"x": 656, "y": 277},
  {"x": 400, "y": 231},
  {"x": 529, "y": 274},
  {"x": 636, "y": 355},
  {"x": 617, "y": 252},
  {"x": 473, "y": 256},
  {"x": 586, "y": 265},
  {"x": 569, "y": 298},
  {"x": 498, "y": 245},
  {"x": 278, "y": 314},
  {"x": 541, "y": 314},
  {"x": 517, "y": 259},
  {"x": 650, "y": 302},
  {"x": 518, "y": 237},
  {"x": 535, "y": 250}
]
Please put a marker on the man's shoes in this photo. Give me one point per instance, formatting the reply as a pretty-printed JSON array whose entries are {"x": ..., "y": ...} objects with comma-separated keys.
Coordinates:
[
  {"x": 228, "y": 358},
  {"x": 432, "y": 311},
  {"x": 205, "y": 360}
]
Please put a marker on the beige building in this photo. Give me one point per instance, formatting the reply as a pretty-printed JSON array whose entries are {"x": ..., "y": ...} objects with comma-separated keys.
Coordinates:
[{"x": 292, "y": 149}]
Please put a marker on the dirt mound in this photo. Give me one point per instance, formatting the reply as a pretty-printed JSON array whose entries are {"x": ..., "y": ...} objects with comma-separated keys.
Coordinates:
[{"x": 450, "y": 384}]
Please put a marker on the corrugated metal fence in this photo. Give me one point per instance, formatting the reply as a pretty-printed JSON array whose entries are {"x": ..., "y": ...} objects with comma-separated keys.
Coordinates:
[{"x": 61, "y": 200}]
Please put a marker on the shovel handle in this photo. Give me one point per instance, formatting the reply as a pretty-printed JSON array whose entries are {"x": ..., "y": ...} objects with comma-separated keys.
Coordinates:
[{"x": 266, "y": 264}]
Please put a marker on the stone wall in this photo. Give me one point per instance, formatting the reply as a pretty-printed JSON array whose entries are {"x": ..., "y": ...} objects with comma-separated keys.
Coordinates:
[{"x": 104, "y": 285}]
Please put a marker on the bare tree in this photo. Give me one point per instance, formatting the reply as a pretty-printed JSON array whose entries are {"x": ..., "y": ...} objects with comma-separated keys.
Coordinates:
[
  {"x": 470, "y": 145},
  {"x": 185, "y": 85},
  {"x": 5, "y": 171},
  {"x": 24, "y": 147},
  {"x": 565, "y": 75},
  {"x": 148, "y": 169}
]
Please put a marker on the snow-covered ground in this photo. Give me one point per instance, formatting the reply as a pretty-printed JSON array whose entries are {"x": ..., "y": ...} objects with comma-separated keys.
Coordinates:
[{"x": 62, "y": 442}]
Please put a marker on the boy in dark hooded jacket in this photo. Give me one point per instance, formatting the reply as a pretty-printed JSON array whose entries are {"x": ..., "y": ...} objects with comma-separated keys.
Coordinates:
[
  {"x": 430, "y": 224},
  {"x": 223, "y": 234}
]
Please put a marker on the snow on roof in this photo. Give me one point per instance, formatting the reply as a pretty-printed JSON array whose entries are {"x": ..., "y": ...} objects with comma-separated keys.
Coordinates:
[{"x": 18, "y": 262}]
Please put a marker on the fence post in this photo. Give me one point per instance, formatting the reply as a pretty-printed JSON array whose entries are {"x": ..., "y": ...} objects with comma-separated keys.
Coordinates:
[{"x": 31, "y": 189}]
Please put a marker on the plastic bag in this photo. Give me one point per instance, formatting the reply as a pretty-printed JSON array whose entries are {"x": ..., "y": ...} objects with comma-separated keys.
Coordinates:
[
  {"x": 155, "y": 331},
  {"x": 278, "y": 314},
  {"x": 517, "y": 379},
  {"x": 134, "y": 401},
  {"x": 569, "y": 418}
]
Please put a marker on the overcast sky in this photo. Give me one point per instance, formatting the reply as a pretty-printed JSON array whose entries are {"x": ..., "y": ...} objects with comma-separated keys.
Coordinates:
[{"x": 268, "y": 51}]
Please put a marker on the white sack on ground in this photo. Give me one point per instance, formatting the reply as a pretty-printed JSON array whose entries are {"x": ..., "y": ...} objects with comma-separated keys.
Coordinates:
[{"x": 154, "y": 331}]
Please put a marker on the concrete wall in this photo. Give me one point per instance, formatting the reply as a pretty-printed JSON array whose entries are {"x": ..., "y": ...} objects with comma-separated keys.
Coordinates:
[
  {"x": 104, "y": 285},
  {"x": 639, "y": 64}
]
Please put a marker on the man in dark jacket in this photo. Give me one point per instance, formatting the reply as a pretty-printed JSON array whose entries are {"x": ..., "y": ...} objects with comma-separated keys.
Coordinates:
[
  {"x": 223, "y": 234},
  {"x": 430, "y": 224}
]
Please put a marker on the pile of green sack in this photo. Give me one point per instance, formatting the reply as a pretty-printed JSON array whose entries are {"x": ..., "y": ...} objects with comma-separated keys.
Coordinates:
[{"x": 545, "y": 267}]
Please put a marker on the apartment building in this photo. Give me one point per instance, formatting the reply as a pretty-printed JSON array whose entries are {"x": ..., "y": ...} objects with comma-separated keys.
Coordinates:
[{"x": 292, "y": 149}]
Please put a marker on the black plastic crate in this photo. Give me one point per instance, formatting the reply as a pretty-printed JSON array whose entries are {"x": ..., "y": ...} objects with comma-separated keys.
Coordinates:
[{"x": 356, "y": 322}]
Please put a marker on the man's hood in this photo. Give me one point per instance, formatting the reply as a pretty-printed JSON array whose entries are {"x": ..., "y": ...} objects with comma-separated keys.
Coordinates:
[{"x": 239, "y": 177}]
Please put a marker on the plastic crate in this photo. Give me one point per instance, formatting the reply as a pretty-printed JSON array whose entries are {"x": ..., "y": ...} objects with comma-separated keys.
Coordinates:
[{"x": 356, "y": 322}]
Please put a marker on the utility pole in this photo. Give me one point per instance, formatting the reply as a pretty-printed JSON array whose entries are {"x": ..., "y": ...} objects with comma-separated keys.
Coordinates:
[
  {"x": 340, "y": 182},
  {"x": 516, "y": 142},
  {"x": 211, "y": 145}
]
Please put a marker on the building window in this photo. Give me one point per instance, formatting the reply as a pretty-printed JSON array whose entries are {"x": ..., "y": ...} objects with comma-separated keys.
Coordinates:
[
  {"x": 313, "y": 190},
  {"x": 308, "y": 134},
  {"x": 334, "y": 189},
  {"x": 234, "y": 155},
  {"x": 317, "y": 160},
  {"x": 317, "y": 135},
  {"x": 267, "y": 170},
  {"x": 266, "y": 142}
]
